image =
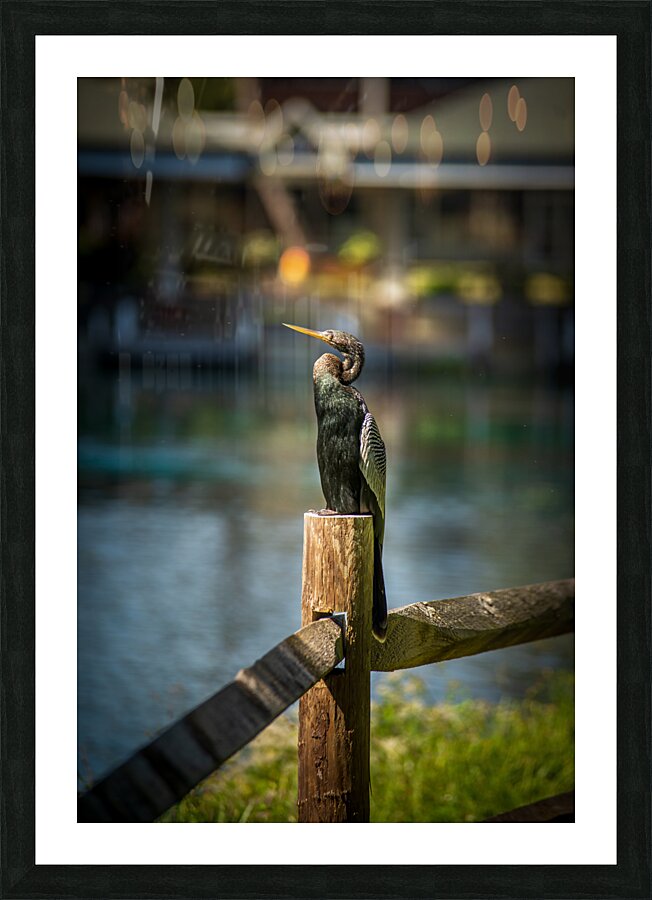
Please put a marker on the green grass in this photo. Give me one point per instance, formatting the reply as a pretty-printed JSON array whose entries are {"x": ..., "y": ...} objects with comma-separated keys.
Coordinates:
[{"x": 454, "y": 762}]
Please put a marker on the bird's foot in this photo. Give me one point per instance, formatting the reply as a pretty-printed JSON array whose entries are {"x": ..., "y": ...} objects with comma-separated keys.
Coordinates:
[{"x": 327, "y": 512}]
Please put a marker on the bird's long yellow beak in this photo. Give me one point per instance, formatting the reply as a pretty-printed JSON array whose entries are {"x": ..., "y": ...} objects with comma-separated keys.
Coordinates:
[{"x": 315, "y": 334}]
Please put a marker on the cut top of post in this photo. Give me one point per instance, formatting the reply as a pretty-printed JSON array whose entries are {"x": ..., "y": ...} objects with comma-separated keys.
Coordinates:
[{"x": 314, "y": 514}]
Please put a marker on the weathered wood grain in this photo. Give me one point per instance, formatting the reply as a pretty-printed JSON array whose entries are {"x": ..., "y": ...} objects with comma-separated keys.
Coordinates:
[
  {"x": 425, "y": 633},
  {"x": 334, "y": 715},
  {"x": 161, "y": 773}
]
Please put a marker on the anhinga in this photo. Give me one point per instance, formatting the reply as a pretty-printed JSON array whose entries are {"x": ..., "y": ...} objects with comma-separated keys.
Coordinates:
[{"x": 350, "y": 450}]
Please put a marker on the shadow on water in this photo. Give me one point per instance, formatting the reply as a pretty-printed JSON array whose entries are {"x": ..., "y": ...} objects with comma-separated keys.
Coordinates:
[{"x": 191, "y": 497}]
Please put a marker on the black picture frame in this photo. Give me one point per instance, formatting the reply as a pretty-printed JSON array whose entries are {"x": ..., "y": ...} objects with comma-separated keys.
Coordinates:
[{"x": 21, "y": 21}]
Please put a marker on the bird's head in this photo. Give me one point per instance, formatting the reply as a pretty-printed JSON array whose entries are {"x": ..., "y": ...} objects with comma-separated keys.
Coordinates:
[
  {"x": 338, "y": 340},
  {"x": 347, "y": 344}
]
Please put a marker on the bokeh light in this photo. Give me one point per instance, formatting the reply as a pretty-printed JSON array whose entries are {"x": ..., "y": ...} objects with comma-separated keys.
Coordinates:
[
  {"x": 486, "y": 112},
  {"x": 137, "y": 148},
  {"x": 256, "y": 111},
  {"x": 351, "y": 134},
  {"x": 432, "y": 144},
  {"x": 123, "y": 108},
  {"x": 185, "y": 98},
  {"x": 382, "y": 159},
  {"x": 391, "y": 292},
  {"x": 332, "y": 157},
  {"x": 179, "y": 138},
  {"x": 273, "y": 107},
  {"x": 521, "y": 113},
  {"x": 137, "y": 115},
  {"x": 512, "y": 100},
  {"x": 483, "y": 148},
  {"x": 361, "y": 248},
  {"x": 428, "y": 128},
  {"x": 294, "y": 266},
  {"x": 335, "y": 194}
]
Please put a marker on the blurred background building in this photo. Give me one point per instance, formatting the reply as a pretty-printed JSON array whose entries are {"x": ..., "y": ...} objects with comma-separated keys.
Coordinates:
[
  {"x": 434, "y": 218},
  {"x": 439, "y": 211}
]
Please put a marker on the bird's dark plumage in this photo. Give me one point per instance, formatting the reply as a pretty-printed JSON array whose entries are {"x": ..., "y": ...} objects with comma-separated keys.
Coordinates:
[{"x": 350, "y": 450}]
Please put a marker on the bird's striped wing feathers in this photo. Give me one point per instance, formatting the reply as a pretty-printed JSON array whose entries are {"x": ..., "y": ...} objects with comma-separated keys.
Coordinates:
[{"x": 373, "y": 461}]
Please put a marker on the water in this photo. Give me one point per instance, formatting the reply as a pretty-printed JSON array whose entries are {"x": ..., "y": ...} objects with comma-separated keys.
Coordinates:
[{"x": 190, "y": 528}]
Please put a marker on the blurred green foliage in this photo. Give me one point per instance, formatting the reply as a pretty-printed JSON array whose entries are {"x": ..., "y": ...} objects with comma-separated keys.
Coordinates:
[
  {"x": 360, "y": 248},
  {"x": 453, "y": 762}
]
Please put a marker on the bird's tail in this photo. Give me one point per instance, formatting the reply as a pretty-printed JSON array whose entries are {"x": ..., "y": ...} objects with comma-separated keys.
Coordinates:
[{"x": 379, "y": 609}]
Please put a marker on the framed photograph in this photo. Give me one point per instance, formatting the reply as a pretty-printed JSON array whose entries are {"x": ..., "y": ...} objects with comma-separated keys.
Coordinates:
[{"x": 453, "y": 197}]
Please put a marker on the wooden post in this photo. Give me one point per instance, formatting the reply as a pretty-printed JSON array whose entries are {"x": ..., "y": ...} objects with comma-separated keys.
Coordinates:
[{"x": 334, "y": 714}]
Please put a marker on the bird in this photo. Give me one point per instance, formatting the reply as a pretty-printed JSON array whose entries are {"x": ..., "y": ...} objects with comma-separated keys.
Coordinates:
[{"x": 350, "y": 451}]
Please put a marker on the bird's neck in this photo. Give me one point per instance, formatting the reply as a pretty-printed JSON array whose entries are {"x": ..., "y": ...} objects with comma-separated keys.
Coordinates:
[
  {"x": 343, "y": 371},
  {"x": 327, "y": 370},
  {"x": 351, "y": 367}
]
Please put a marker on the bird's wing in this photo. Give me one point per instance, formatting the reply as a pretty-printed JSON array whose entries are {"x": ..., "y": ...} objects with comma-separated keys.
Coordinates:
[{"x": 373, "y": 461}]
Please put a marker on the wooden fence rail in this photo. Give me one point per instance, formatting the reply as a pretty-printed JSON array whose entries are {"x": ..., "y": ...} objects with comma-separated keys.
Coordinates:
[
  {"x": 432, "y": 632},
  {"x": 163, "y": 772},
  {"x": 334, "y": 709}
]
